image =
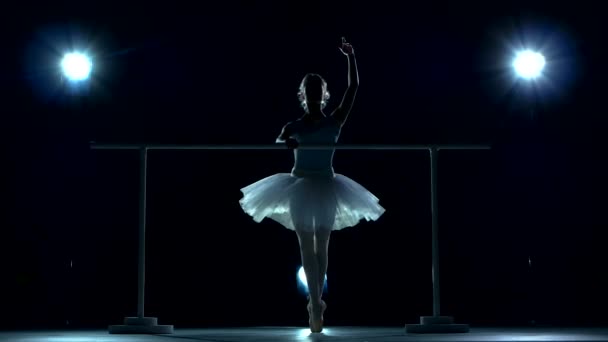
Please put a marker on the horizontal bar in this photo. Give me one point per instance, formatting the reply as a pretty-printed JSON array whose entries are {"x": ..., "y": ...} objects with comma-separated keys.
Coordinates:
[{"x": 97, "y": 146}]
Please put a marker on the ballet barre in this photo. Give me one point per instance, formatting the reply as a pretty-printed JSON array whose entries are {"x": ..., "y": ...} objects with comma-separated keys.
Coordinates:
[
  {"x": 149, "y": 325},
  {"x": 282, "y": 146}
]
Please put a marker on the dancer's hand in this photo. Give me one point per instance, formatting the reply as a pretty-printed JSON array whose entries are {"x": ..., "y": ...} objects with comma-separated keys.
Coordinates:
[
  {"x": 346, "y": 48},
  {"x": 291, "y": 143}
]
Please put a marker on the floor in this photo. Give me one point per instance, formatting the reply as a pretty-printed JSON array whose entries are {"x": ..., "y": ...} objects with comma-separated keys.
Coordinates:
[{"x": 352, "y": 334}]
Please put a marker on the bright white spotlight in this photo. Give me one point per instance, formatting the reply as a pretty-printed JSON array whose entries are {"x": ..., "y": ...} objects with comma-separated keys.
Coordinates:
[
  {"x": 76, "y": 66},
  {"x": 302, "y": 278},
  {"x": 529, "y": 64}
]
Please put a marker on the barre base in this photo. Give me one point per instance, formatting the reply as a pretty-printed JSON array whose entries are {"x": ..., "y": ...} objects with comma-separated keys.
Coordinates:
[
  {"x": 436, "y": 325},
  {"x": 140, "y": 325}
]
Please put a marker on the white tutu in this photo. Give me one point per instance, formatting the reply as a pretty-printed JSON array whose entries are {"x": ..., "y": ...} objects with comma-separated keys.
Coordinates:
[{"x": 310, "y": 202}]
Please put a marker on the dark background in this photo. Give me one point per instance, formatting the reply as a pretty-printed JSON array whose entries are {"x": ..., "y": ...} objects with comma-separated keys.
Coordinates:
[{"x": 228, "y": 72}]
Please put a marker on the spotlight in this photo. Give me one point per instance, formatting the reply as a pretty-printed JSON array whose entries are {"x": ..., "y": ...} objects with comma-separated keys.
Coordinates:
[
  {"x": 304, "y": 284},
  {"x": 76, "y": 66},
  {"x": 529, "y": 64}
]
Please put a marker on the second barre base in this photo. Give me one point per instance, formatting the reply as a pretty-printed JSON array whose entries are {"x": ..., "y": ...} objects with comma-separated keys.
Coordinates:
[
  {"x": 140, "y": 325},
  {"x": 436, "y": 325}
]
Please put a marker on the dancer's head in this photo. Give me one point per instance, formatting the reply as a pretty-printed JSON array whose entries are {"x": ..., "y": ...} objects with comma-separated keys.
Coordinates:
[{"x": 313, "y": 92}]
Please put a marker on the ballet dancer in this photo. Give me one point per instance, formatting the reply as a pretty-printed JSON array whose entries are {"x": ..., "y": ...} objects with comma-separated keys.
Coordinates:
[{"x": 312, "y": 200}]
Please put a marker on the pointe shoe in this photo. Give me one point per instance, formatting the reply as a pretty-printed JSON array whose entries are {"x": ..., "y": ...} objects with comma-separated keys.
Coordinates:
[
  {"x": 316, "y": 324},
  {"x": 309, "y": 307}
]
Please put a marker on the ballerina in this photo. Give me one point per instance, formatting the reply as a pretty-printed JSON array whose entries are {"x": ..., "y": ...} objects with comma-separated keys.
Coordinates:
[{"x": 312, "y": 200}]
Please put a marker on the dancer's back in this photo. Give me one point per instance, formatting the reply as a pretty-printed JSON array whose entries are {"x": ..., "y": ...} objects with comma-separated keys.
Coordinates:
[{"x": 324, "y": 132}]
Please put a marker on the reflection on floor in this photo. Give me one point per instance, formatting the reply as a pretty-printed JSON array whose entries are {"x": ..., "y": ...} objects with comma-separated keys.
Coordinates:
[{"x": 351, "y": 334}]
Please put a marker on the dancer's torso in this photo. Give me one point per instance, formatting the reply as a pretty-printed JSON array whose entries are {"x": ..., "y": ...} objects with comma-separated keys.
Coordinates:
[{"x": 309, "y": 161}]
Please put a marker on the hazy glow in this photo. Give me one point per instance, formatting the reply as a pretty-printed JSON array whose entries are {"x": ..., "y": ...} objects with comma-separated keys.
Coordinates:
[
  {"x": 302, "y": 277},
  {"x": 529, "y": 64},
  {"x": 76, "y": 66},
  {"x": 306, "y": 335}
]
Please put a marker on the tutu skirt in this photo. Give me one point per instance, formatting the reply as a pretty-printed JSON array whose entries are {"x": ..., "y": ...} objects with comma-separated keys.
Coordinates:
[{"x": 310, "y": 203}]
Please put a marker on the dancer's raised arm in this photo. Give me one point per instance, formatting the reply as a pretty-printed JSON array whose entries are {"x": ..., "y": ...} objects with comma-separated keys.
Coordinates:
[{"x": 341, "y": 113}]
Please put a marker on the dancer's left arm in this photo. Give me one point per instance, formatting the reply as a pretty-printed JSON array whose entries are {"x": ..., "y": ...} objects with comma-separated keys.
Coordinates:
[{"x": 341, "y": 113}]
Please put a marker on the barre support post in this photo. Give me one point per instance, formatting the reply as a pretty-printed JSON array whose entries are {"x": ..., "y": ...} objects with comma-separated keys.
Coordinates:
[
  {"x": 436, "y": 323},
  {"x": 141, "y": 324}
]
